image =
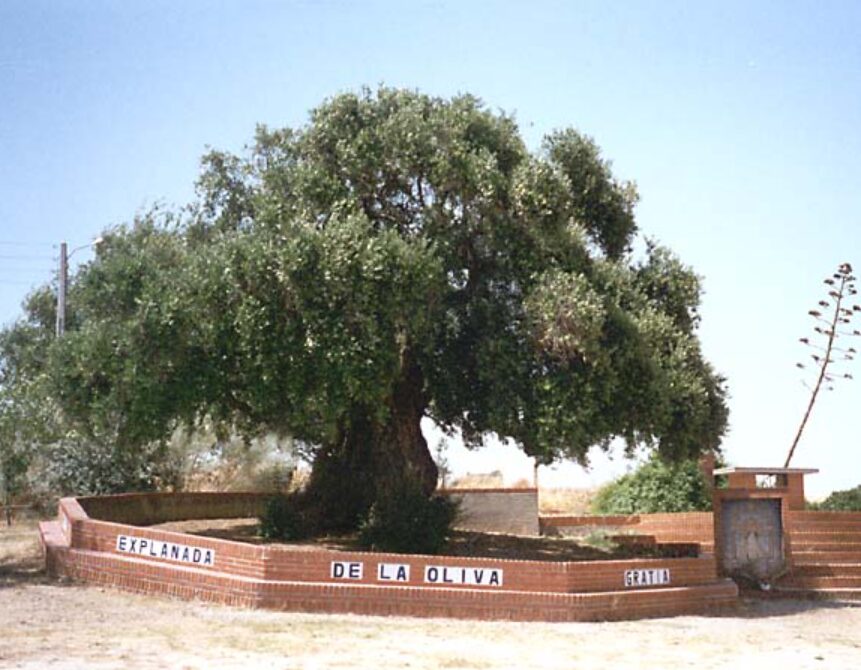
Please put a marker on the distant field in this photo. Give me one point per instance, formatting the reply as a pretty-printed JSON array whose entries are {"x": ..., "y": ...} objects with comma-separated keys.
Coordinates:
[
  {"x": 550, "y": 500},
  {"x": 565, "y": 501}
]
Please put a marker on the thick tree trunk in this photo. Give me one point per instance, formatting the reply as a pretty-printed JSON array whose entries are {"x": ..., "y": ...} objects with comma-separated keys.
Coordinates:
[
  {"x": 341, "y": 487},
  {"x": 401, "y": 452},
  {"x": 370, "y": 459}
]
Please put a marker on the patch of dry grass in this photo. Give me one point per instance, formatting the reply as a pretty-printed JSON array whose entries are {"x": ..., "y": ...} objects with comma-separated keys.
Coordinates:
[
  {"x": 487, "y": 480},
  {"x": 565, "y": 501}
]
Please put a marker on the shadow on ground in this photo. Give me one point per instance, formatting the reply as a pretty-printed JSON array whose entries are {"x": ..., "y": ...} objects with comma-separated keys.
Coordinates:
[
  {"x": 758, "y": 606},
  {"x": 461, "y": 543}
]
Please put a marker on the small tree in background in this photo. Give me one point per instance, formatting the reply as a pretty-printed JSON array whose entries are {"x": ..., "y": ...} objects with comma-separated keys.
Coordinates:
[
  {"x": 848, "y": 500},
  {"x": 833, "y": 320},
  {"x": 442, "y": 462},
  {"x": 656, "y": 486}
]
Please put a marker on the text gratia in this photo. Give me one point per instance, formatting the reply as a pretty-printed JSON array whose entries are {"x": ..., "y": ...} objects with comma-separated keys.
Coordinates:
[
  {"x": 647, "y": 577},
  {"x": 143, "y": 546}
]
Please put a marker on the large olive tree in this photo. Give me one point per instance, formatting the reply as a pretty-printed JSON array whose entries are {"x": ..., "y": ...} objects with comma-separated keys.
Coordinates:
[{"x": 399, "y": 257}]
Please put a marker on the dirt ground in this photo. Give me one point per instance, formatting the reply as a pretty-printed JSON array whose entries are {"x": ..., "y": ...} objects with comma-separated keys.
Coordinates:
[{"x": 44, "y": 624}]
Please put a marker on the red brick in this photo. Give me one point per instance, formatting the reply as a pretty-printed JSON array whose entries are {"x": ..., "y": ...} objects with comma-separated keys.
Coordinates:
[{"x": 299, "y": 580}]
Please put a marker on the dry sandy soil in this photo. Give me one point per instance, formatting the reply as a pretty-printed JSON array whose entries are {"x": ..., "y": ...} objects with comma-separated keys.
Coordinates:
[{"x": 44, "y": 624}]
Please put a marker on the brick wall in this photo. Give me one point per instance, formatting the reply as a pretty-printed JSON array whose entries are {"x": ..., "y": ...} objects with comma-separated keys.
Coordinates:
[
  {"x": 151, "y": 508},
  {"x": 823, "y": 553},
  {"x": 510, "y": 511},
  {"x": 138, "y": 576},
  {"x": 688, "y": 527},
  {"x": 310, "y": 579},
  {"x": 822, "y": 536}
]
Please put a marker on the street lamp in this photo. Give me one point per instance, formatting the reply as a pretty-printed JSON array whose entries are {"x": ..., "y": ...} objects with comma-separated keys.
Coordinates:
[{"x": 63, "y": 282}]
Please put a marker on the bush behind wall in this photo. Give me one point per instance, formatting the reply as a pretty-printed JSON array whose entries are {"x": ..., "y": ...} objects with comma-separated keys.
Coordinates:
[{"x": 656, "y": 487}]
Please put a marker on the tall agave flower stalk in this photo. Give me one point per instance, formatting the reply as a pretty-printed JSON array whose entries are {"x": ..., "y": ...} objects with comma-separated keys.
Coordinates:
[{"x": 833, "y": 318}]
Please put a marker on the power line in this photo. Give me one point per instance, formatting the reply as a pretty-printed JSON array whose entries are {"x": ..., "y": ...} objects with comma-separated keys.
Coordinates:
[
  {"x": 26, "y": 244},
  {"x": 12, "y": 282},
  {"x": 23, "y": 278},
  {"x": 22, "y": 275},
  {"x": 18, "y": 257}
]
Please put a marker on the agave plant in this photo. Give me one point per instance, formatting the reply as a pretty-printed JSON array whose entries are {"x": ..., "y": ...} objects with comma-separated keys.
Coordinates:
[{"x": 833, "y": 317}]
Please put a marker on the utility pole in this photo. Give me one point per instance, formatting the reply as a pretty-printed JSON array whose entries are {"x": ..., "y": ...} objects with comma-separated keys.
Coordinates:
[{"x": 62, "y": 282}]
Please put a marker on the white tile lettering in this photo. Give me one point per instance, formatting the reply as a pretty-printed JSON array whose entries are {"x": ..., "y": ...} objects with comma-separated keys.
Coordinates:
[
  {"x": 143, "y": 546},
  {"x": 393, "y": 572},
  {"x": 646, "y": 577},
  {"x": 347, "y": 570},
  {"x": 460, "y": 576}
]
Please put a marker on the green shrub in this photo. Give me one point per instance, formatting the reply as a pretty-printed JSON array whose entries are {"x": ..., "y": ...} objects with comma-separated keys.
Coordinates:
[
  {"x": 80, "y": 466},
  {"x": 282, "y": 520},
  {"x": 656, "y": 486},
  {"x": 841, "y": 501},
  {"x": 408, "y": 522}
]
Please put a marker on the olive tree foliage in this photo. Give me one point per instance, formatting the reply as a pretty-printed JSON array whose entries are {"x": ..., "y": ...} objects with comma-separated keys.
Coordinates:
[{"x": 398, "y": 257}]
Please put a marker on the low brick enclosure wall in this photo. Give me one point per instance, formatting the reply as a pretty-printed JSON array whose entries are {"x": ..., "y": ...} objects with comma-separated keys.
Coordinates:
[
  {"x": 145, "y": 509},
  {"x": 88, "y": 543},
  {"x": 678, "y": 528}
]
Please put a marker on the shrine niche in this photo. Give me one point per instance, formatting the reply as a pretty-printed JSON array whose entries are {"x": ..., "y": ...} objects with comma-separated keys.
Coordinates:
[{"x": 750, "y": 520}]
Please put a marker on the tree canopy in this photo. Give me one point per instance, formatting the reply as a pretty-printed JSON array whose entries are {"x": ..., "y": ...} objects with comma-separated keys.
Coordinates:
[{"x": 400, "y": 256}]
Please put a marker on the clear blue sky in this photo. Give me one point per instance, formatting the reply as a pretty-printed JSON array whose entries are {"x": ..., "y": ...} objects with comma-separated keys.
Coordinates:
[{"x": 739, "y": 121}]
